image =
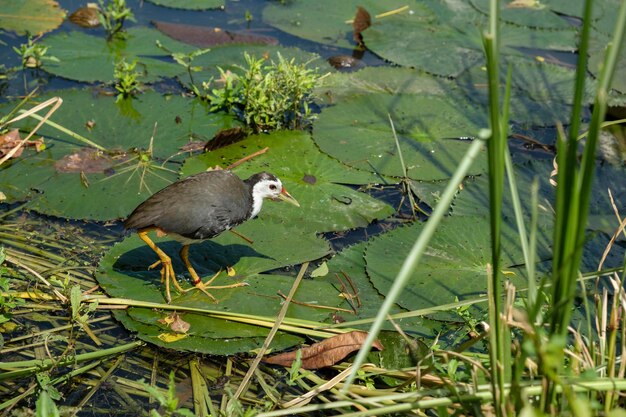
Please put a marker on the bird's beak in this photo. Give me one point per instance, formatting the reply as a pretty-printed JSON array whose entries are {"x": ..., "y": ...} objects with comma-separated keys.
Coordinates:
[{"x": 285, "y": 196}]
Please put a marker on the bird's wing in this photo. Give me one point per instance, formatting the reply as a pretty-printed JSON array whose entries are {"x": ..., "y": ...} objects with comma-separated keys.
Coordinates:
[{"x": 197, "y": 207}]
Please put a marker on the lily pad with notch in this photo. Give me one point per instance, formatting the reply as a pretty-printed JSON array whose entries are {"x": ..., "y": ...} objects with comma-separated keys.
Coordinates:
[
  {"x": 90, "y": 58},
  {"x": 454, "y": 267},
  {"x": 33, "y": 16},
  {"x": 327, "y": 21},
  {"x": 358, "y": 133},
  {"x": 451, "y": 43},
  {"x": 74, "y": 180},
  {"x": 123, "y": 273},
  {"x": 312, "y": 177}
]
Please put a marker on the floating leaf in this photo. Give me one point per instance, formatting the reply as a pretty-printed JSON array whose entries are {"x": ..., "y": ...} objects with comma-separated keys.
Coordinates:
[
  {"x": 126, "y": 265},
  {"x": 542, "y": 93},
  {"x": 451, "y": 43},
  {"x": 530, "y": 13},
  {"x": 123, "y": 273},
  {"x": 91, "y": 58},
  {"x": 203, "y": 36},
  {"x": 293, "y": 157},
  {"x": 32, "y": 16},
  {"x": 190, "y": 4},
  {"x": 326, "y": 353},
  {"x": 358, "y": 133},
  {"x": 453, "y": 267},
  {"x": 389, "y": 80},
  {"x": 76, "y": 181},
  {"x": 327, "y": 21}
]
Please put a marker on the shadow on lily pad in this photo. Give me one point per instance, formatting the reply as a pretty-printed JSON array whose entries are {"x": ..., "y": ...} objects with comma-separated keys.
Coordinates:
[{"x": 207, "y": 258}]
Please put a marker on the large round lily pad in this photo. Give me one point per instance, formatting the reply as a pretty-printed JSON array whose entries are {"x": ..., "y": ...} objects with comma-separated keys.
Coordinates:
[
  {"x": 340, "y": 86},
  {"x": 89, "y": 58},
  {"x": 452, "y": 43},
  {"x": 328, "y": 21},
  {"x": 312, "y": 177},
  {"x": 71, "y": 179},
  {"x": 529, "y": 13},
  {"x": 123, "y": 272},
  {"x": 190, "y": 4},
  {"x": 358, "y": 133},
  {"x": 542, "y": 93},
  {"x": 453, "y": 267},
  {"x": 32, "y": 16}
]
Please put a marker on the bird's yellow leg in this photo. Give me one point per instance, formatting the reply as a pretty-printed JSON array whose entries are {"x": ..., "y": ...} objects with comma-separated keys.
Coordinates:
[
  {"x": 167, "y": 271},
  {"x": 197, "y": 282}
]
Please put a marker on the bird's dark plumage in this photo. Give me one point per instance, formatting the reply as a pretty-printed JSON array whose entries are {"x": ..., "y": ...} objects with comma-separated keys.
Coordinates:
[{"x": 198, "y": 207}]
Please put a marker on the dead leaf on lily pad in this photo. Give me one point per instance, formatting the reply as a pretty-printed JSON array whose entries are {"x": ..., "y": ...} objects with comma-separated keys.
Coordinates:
[
  {"x": 362, "y": 20},
  {"x": 175, "y": 323},
  {"x": 325, "y": 353},
  {"x": 203, "y": 36},
  {"x": 12, "y": 138},
  {"x": 86, "y": 17},
  {"x": 86, "y": 160}
]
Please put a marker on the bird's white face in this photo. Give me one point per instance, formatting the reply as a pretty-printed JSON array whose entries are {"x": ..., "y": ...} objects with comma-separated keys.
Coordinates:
[
  {"x": 267, "y": 189},
  {"x": 272, "y": 189}
]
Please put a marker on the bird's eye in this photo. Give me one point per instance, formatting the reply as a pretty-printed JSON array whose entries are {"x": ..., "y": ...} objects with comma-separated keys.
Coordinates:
[{"x": 272, "y": 187}]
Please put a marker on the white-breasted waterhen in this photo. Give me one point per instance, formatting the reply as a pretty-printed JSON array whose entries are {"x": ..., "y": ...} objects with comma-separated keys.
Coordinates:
[{"x": 201, "y": 207}]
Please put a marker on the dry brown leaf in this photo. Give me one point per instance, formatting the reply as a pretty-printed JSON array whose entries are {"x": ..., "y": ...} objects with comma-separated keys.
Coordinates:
[
  {"x": 325, "y": 353},
  {"x": 175, "y": 323},
  {"x": 86, "y": 160},
  {"x": 12, "y": 138},
  {"x": 203, "y": 36},
  {"x": 362, "y": 20},
  {"x": 224, "y": 138},
  {"x": 86, "y": 17}
]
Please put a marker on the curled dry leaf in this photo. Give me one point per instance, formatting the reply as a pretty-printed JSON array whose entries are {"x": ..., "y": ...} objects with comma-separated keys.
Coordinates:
[
  {"x": 12, "y": 138},
  {"x": 225, "y": 137},
  {"x": 86, "y": 160},
  {"x": 345, "y": 62},
  {"x": 203, "y": 36},
  {"x": 362, "y": 20},
  {"x": 86, "y": 17},
  {"x": 325, "y": 353},
  {"x": 175, "y": 323}
]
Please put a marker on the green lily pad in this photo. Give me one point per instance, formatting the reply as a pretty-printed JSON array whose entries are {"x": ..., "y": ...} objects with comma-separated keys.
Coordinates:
[
  {"x": 89, "y": 58},
  {"x": 597, "y": 51},
  {"x": 311, "y": 177},
  {"x": 123, "y": 272},
  {"x": 33, "y": 16},
  {"x": 328, "y": 21},
  {"x": 190, "y": 4},
  {"x": 453, "y": 267},
  {"x": 73, "y": 180},
  {"x": 542, "y": 93},
  {"x": 358, "y": 133},
  {"x": 390, "y": 80},
  {"x": 536, "y": 15},
  {"x": 349, "y": 266},
  {"x": 447, "y": 46}
]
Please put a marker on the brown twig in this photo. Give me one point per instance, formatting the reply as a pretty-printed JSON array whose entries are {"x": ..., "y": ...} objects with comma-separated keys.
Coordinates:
[{"x": 247, "y": 158}]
